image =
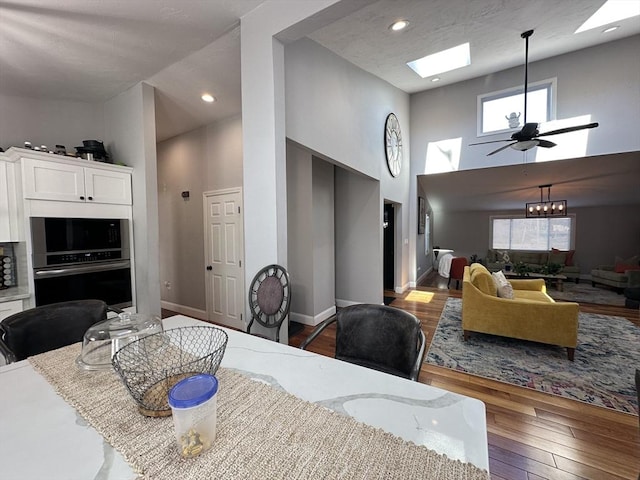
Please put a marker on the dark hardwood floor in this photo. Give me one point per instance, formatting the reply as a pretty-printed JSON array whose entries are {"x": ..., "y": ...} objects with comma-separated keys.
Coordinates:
[{"x": 531, "y": 435}]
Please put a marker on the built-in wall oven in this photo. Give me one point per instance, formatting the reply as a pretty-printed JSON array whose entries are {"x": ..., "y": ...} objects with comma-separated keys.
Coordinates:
[{"x": 81, "y": 258}]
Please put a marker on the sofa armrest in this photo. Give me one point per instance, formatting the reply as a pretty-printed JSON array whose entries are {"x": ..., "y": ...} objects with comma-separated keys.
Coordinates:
[
  {"x": 535, "y": 284},
  {"x": 633, "y": 278}
]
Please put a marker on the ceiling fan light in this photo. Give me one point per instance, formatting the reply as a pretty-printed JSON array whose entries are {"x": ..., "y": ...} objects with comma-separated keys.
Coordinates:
[{"x": 525, "y": 145}]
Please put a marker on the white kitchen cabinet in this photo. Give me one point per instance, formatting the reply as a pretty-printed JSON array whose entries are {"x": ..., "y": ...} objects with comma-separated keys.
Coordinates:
[
  {"x": 10, "y": 202},
  {"x": 9, "y": 308},
  {"x": 68, "y": 180}
]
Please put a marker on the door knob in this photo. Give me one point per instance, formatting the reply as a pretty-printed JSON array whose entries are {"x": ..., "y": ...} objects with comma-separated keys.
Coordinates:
[{"x": 209, "y": 267}]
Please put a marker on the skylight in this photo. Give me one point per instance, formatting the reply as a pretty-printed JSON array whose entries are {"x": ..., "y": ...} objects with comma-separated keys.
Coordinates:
[
  {"x": 443, "y": 61},
  {"x": 611, "y": 11}
]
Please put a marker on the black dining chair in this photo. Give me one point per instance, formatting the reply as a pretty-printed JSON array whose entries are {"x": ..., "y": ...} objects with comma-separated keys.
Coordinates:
[
  {"x": 380, "y": 337},
  {"x": 48, "y": 327},
  {"x": 270, "y": 298}
]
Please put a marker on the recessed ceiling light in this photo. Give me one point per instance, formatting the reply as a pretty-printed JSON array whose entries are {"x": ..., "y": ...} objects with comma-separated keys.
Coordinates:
[
  {"x": 443, "y": 61},
  {"x": 399, "y": 25},
  {"x": 208, "y": 98},
  {"x": 611, "y": 29},
  {"x": 611, "y": 11}
]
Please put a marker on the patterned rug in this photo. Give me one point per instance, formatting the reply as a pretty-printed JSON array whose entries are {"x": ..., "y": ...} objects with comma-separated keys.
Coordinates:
[
  {"x": 602, "y": 373},
  {"x": 585, "y": 293}
]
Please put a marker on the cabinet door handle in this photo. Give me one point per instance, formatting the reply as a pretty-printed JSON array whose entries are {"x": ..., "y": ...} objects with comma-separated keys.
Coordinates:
[
  {"x": 81, "y": 197},
  {"x": 90, "y": 198}
]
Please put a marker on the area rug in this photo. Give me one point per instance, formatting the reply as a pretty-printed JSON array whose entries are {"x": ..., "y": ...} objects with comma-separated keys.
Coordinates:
[
  {"x": 602, "y": 374},
  {"x": 585, "y": 293}
]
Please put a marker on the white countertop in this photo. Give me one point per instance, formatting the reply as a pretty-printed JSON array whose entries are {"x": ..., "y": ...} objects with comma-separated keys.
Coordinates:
[
  {"x": 42, "y": 437},
  {"x": 14, "y": 293}
]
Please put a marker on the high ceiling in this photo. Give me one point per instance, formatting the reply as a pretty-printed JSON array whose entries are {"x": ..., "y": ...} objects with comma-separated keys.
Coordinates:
[
  {"x": 92, "y": 50},
  {"x": 492, "y": 27}
]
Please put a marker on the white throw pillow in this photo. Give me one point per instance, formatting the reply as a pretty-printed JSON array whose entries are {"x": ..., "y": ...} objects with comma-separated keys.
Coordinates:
[
  {"x": 499, "y": 278},
  {"x": 505, "y": 290}
]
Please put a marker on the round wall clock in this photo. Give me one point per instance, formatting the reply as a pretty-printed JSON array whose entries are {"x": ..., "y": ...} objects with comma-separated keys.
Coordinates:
[{"x": 393, "y": 144}]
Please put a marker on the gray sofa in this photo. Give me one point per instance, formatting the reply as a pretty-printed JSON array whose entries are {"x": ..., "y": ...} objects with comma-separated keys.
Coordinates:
[
  {"x": 535, "y": 260},
  {"x": 620, "y": 279}
]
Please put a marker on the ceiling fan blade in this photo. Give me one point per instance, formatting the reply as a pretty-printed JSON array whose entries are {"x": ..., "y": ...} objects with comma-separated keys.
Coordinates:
[
  {"x": 528, "y": 131},
  {"x": 492, "y": 141},
  {"x": 501, "y": 148},
  {"x": 568, "y": 129},
  {"x": 546, "y": 144}
]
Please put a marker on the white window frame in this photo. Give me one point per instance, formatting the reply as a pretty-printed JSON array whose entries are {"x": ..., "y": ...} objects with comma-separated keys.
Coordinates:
[
  {"x": 572, "y": 235},
  {"x": 550, "y": 84}
]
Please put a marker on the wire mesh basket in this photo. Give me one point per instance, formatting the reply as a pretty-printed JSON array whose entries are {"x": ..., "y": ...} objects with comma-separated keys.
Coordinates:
[{"x": 151, "y": 366}]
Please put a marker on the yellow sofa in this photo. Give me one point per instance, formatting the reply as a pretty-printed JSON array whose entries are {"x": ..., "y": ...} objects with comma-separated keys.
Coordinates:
[{"x": 530, "y": 315}]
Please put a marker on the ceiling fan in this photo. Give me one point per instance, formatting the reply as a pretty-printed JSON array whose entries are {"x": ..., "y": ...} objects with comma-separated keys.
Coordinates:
[{"x": 529, "y": 136}]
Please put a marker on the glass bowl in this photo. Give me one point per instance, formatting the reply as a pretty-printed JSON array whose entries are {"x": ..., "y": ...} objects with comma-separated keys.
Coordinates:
[{"x": 103, "y": 339}]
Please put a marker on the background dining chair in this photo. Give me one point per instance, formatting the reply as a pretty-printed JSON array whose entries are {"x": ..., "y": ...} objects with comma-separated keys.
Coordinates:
[
  {"x": 270, "y": 298},
  {"x": 48, "y": 327},
  {"x": 379, "y": 337},
  {"x": 457, "y": 270}
]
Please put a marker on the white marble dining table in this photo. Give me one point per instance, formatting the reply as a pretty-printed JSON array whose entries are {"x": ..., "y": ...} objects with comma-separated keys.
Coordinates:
[{"x": 42, "y": 437}]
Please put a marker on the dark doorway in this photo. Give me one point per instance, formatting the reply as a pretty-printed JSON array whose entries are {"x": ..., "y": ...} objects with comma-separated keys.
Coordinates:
[{"x": 389, "y": 247}]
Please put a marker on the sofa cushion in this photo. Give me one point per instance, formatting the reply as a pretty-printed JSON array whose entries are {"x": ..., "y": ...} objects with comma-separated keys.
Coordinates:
[
  {"x": 492, "y": 255},
  {"x": 635, "y": 260},
  {"x": 536, "y": 258},
  {"x": 483, "y": 281},
  {"x": 504, "y": 288},
  {"x": 534, "y": 295},
  {"x": 623, "y": 267},
  {"x": 558, "y": 257},
  {"x": 505, "y": 291},
  {"x": 608, "y": 275},
  {"x": 568, "y": 260}
]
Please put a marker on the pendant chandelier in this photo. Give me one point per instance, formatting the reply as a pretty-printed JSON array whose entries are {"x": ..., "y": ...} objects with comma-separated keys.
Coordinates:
[{"x": 548, "y": 208}]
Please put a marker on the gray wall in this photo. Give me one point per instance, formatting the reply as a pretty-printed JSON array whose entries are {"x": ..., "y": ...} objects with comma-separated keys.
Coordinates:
[
  {"x": 130, "y": 136},
  {"x": 324, "y": 271},
  {"x": 358, "y": 239},
  {"x": 205, "y": 159},
  {"x": 300, "y": 231},
  {"x": 601, "y": 81},
  {"x": 311, "y": 240},
  {"x": 602, "y": 233},
  {"x": 337, "y": 111},
  {"x": 424, "y": 257},
  {"x": 49, "y": 122}
]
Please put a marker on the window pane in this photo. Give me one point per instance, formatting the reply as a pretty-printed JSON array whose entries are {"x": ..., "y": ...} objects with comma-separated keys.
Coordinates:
[
  {"x": 501, "y": 233},
  {"x": 529, "y": 234},
  {"x": 560, "y": 233},
  {"x": 496, "y": 111}
]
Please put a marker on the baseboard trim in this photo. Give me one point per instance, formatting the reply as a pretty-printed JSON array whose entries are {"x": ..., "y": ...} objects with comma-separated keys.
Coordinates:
[
  {"x": 423, "y": 277},
  {"x": 315, "y": 320},
  {"x": 184, "y": 310}
]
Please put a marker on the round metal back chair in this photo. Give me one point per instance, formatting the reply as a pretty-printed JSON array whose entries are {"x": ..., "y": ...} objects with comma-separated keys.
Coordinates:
[{"x": 270, "y": 298}]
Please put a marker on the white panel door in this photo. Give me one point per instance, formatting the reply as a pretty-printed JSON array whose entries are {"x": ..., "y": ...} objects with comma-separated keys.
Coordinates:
[{"x": 224, "y": 252}]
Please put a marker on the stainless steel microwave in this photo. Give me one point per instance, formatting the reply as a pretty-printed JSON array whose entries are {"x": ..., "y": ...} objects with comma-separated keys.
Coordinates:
[{"x": 63, "y": 241}]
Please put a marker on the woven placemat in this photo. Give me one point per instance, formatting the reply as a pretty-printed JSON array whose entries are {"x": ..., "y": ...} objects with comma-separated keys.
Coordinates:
[{"x": 263, "y": 433}]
